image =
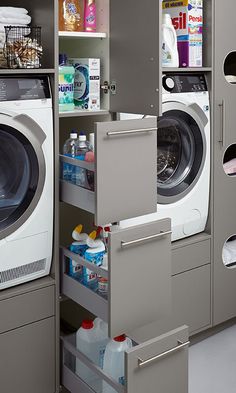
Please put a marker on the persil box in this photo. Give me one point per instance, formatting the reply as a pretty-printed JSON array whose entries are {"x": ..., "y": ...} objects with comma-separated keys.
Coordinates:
[
  {"x": 87, "y": 83},
  {"x": 187, "y": 18}
]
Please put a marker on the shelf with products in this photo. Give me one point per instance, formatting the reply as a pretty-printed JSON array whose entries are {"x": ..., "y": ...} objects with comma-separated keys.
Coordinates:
[{"x": 187, "y": 69}]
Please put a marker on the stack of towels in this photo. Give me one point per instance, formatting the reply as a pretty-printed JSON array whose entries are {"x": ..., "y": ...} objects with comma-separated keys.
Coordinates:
[{"x": 13, "y": 16}]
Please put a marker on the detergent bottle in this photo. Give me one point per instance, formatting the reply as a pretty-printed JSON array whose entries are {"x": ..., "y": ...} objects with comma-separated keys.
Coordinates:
[{"x": 170, "y": 55}]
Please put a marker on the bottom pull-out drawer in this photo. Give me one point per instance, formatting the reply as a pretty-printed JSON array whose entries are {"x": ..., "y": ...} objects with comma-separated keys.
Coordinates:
[{"x": 157, "y": 365}]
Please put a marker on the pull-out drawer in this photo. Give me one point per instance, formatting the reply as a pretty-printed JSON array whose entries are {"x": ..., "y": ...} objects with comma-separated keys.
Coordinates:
[
  {"x": 157, "y": 365},
  {"x": 139, "y": 276},
  {"x": 124, "y": 172}
]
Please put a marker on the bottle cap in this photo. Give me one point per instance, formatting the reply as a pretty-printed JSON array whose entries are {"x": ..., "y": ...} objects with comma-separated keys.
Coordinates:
[
  {"x": 82, "y": 138},
  {"x": 73, "y": 135},
  {"x": 166, "y": 19},
  {"x": 62, "y": 59},
  {"x": 87, "y": 324},
  {"x": 120, "y": 339}
]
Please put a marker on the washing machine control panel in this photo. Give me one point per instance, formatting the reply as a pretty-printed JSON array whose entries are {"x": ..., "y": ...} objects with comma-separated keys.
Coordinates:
[
  {"x": 24, "y": 88},
  {"x": 184, "y": 83}
]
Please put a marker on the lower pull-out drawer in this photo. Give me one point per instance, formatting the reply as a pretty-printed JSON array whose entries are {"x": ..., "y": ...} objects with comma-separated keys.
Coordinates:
[
  {"x": 157, "y": 365},
  {"x": 139, "y": 277}
]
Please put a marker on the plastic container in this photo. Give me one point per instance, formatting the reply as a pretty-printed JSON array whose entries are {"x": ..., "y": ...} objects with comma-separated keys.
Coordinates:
[
  {"x": 80, "y": 174},
  {"x": 70, "y": 15},
  {"x": 114, "y": 360},
  {"x": 78, "y": 247},
  {"x": 170, "y": 55},
  {"x": 69, "y": 150},
  {"x": 103, "y": 283},
  {"x": 90, "y": 22},
  {"x": 66, "y": 85},
  {"x": 102, "y": 339}
]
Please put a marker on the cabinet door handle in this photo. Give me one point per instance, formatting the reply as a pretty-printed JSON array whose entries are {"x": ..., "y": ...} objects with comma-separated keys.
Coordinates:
[
  {"x": 130, "y": 132},
  {"x": 223, "y": 121},
  {"x": 145, "y": 239},
  {"x": 181, "y": 345}
]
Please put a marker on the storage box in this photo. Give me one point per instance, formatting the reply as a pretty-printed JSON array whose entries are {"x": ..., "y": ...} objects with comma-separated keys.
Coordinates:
[
  {"x": 187, "y": 18},
  {"x": 87, "y": 83}
]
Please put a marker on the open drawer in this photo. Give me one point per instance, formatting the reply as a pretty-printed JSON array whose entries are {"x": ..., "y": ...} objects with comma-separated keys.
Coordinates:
[
  {"x": 125, "y": 174},
  {"x": 156, "y": 365},
  {"x": 139, "y": 276}
]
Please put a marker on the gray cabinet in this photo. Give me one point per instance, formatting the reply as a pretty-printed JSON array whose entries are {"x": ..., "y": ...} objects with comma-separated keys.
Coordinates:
[
  {"x": 27, "y": 361},
  {"x": 125, "y": 172},
  {"x": 158, "y": 364},
  {"x": 224, "y": 186},
  {"x": 139, "y": 259}
]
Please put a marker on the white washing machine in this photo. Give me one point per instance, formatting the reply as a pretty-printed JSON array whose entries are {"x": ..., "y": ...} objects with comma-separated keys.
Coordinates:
[
  {"x": 183, "y": 155},
  {"x": 26, "y": 179}
]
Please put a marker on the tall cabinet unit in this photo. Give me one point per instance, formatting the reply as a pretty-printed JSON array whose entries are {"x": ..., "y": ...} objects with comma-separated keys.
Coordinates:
[
  {"x": 224, "y": 283},
  {"x": 131, "y": 79}
]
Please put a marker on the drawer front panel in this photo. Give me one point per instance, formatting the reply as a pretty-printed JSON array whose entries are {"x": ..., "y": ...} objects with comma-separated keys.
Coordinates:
[
  {"x": 192, "y": 298},
  {"x": 191, "y": 256},
  {"x": 27, "y": 308}
]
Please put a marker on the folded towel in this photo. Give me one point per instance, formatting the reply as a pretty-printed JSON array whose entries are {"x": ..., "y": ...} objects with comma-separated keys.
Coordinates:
[
  {"x": 6, "y": 14},
  {"x": 14, "y": 10},
  {"x": 9, "y": 21},
  {"x": 230, "y": 167}
]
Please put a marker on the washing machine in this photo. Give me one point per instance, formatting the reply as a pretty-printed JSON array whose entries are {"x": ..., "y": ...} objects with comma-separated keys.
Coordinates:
[
  {"x": 26, "y": 179},
  {"x": 183, "y": 155}
]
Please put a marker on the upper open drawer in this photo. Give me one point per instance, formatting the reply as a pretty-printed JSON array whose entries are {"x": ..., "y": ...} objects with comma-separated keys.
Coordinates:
[{"x": 125, "y": 179}]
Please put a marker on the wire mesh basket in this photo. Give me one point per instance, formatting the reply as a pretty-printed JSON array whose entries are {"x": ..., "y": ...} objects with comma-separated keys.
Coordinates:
[{"x": 23, "y": 47}]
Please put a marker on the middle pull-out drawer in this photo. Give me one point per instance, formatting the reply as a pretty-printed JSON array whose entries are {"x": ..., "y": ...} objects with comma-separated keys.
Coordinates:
[
  {"x": 122, "y": 181},
  {"x": 139, "y": 277},
  {"x": 156, "y": 365}
]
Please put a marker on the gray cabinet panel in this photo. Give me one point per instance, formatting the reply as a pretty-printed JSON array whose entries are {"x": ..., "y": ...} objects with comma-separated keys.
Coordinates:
[
  {"x": 27, "y": 361},
  {"x": 224, "y": 186},
  {"x": 139, "y": 276},
  {"x": 135, "y": 46},
  {"x": 191, "y": 256},
  {"x": 125, "y": 169},
  {"x": 27, "y": 308},
  {"x": 192, "y": 298},
  {"x": 159, "y": 365}
]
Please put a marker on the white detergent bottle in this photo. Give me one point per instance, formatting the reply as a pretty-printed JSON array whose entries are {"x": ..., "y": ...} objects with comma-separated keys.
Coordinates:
[
  {"x": 87, "y": 343},
  {"x": 101, "y": 328},
  {"x": 170, "y": 55},
  {"x": 114, "y": 360}
]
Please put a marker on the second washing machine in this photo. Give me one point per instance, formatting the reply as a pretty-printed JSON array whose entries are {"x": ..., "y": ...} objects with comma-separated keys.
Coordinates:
[{"x": 183, "y": 155}]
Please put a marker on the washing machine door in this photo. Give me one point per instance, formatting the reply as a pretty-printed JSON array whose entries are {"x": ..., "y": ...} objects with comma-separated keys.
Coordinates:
[
  {"x": 181, "y": 150},
  {"x": 22, "y": 170}
]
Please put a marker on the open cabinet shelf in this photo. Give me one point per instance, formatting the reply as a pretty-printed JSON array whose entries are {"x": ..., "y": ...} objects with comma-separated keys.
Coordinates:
[
  {"x": 187, "y": 69},
  {"x": 27, "y": 71}
]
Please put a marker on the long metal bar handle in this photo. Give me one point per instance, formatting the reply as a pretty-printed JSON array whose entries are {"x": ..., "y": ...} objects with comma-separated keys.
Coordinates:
[
  {"x": 181, "y": 345},
  {"x": 130, "y": 132},
  {"x": 145, "y": 239},
  {"x": 223, "y": 124}
]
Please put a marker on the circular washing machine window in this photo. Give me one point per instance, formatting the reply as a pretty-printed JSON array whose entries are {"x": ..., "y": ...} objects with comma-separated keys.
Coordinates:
[
  {"x": 181, "y": 151},
  {"x": 22, "y": 171}
]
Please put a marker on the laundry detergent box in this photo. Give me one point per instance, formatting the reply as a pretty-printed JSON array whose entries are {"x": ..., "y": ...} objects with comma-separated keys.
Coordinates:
[
  {"x": 87, "y": 83},
  {"x": 187, "y": 18}
]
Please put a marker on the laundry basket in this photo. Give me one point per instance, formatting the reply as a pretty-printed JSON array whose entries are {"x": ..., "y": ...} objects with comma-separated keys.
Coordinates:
[{"x": 23, "y": 47}]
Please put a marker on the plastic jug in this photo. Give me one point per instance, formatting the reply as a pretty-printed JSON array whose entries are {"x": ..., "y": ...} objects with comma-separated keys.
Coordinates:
[
  {"x": 80, "y": 174},
  {"x": 170, "y": 55},
  {"x": 103, "y": 339},
  {"x": 114, "y": 360}
]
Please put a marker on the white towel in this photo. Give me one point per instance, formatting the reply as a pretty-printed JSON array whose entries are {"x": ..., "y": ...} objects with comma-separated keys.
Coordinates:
[
  {"x": 229, "y": 252},
  {"x": 14, "y": 20},
  {"x": 6, "y": 14},
  {"x": 14, "y": 10}
]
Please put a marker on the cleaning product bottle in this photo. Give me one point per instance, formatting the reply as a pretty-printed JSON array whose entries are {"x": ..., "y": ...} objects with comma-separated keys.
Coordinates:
[
  {"x": 89, "y": 157},
  {"x": 66, "y": 84},
  {"x": 90, "y": 278},
  {"x": 103, "y": 283},
  {"x": 70, "y": 15},
  {"x": 95, "y": 252},
  {"x": 69, "y": 150},
  {"x": 79, "y": 246},
  {"x": 80, "y": 174},
  {"x": 90, "y": 15},
  {"x": 114, "y": 360},
  {"x": 170, "y": 55},
  {"x": 87, "y": 343},
  {"x": 103, "y": 339}
]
